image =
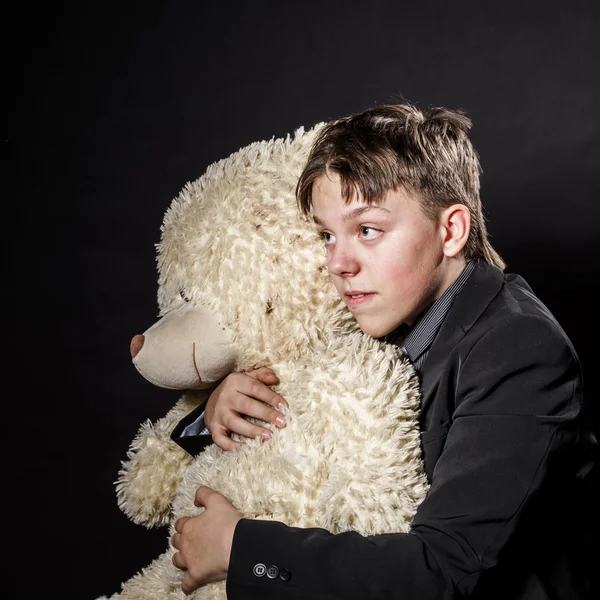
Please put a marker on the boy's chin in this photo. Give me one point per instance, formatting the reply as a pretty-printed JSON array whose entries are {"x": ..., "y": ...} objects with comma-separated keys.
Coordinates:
[{"x": 372, "y": 328}]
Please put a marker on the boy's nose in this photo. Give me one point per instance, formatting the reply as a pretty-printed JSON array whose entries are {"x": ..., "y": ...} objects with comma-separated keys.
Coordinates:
[{"x": 342, "y": 262}]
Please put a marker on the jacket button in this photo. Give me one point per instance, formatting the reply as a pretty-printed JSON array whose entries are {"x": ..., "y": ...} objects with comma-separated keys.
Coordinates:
[
  {"x": 259, "y": 570},
  {"x": 272, "y": 572},
  {"x": 285, "y": 574}
]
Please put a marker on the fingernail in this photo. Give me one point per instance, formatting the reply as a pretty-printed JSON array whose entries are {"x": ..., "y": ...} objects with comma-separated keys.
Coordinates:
[
  {"x": 280, "y": 421},
  {"x": 265, "y": 435}
]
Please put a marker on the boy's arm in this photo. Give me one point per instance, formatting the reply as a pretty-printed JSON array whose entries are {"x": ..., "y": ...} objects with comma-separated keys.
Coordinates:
[
  {"x": 512, "y": 445},
  {"x": 191, "y": 432}
]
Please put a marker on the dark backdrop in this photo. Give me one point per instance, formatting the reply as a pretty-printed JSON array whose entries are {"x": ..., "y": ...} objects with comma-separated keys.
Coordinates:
[{"x": 115, "y": 106}]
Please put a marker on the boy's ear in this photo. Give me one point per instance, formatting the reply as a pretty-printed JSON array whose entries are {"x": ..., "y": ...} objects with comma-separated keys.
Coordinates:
[{"x": 456, "y": 224}]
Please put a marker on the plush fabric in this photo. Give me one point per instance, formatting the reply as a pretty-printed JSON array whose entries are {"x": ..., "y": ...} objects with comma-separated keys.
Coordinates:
[{"x": 242, "y": 283}]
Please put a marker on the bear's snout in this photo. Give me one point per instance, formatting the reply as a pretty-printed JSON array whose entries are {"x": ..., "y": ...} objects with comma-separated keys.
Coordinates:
[{"x": 136, "y": 345}]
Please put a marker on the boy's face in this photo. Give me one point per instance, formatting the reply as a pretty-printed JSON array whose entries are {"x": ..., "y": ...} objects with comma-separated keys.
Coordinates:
[{"x": 386, "y": 261}]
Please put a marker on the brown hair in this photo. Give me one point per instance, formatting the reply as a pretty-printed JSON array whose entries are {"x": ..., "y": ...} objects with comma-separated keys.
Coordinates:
[{"x": 428, "y": 153}]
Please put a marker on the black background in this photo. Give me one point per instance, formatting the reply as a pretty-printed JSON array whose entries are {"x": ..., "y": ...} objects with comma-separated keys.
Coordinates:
[{"x": 115, "y": 106}]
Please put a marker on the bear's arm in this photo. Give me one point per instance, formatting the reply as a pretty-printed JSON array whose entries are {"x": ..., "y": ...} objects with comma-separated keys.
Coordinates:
[{"x": 149, "y": 477}]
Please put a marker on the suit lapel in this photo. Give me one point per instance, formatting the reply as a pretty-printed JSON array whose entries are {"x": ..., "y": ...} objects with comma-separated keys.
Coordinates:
[{"x": 480, "y": 288}]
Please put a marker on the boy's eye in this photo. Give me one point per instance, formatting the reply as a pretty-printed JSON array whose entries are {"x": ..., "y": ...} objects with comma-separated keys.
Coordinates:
[
  {"x": 327, "y": 237},
  {"x": 369, "y": 233}
]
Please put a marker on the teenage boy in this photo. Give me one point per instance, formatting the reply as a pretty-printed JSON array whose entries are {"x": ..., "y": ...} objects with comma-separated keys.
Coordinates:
[{"x": 395, "y": 193}]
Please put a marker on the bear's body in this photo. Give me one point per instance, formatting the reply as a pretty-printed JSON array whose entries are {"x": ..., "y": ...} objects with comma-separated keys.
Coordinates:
[{"x": 237, "y": 260}]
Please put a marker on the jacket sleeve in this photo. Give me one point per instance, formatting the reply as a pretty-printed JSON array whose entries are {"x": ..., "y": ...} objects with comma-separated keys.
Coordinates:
[
  {"x": 517, "y": 403},
  {"x": 193, "y": 444}
]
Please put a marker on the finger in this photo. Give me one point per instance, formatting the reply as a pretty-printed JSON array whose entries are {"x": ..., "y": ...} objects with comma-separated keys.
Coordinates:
[
  {"x": 253, "y": 387},
  {"x": 264, "y": 374},
  {"x": 205, "y": 496},
  {"x": 179, "y": 523},
  {"x": 221, "y": 438},
  {"x": 177, "y": 560},
  {"x": 254, "y": 399},
  {"x": 188, "y": 585},
  {"x": 242, "y": 426},
  {"x": 176, "y": 541}
]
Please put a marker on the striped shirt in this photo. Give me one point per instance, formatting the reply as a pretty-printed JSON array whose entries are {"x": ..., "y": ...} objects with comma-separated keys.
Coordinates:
[{"x": 413, "y": 343}]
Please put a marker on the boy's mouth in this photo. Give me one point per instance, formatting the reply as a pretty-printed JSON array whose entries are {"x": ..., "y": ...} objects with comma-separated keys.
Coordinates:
[{"x": 356, "y": 298}]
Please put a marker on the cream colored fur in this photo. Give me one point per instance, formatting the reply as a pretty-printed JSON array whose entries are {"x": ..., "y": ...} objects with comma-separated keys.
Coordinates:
[{"x": 243, "y": 283}]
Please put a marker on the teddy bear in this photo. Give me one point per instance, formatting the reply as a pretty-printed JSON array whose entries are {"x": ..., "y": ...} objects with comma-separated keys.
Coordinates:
[{"x": 243, "y": 283}]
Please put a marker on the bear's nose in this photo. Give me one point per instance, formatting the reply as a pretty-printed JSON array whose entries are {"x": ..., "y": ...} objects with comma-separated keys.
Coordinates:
[{"x": 136, "y": 345}]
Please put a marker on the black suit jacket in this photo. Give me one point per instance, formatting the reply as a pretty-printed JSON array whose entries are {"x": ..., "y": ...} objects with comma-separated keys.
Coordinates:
[{"x": 508, "y": 452}]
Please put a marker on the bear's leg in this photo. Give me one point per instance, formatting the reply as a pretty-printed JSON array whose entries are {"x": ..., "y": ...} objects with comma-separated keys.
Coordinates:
[
  {"x": 155, "y": 582},
  {"x": 161, "y": 580}
]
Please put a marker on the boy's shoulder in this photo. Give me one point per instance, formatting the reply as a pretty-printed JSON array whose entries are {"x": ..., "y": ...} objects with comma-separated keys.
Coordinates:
[
  {"x": 520, "y": 318},
  {"x": 498, "y": 331}
]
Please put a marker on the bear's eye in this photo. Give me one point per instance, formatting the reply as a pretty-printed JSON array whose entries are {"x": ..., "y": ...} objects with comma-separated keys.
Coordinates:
[{"x": 184, "y": 296}]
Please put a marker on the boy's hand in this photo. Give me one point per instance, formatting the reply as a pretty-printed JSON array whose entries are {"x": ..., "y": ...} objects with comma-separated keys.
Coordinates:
[
  {"x": 243, "y": 394},
  {"x": 203, "y": 543}
]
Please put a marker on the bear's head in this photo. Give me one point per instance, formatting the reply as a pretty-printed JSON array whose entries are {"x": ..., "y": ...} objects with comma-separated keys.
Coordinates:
[{"x": 242, "y": 274}]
